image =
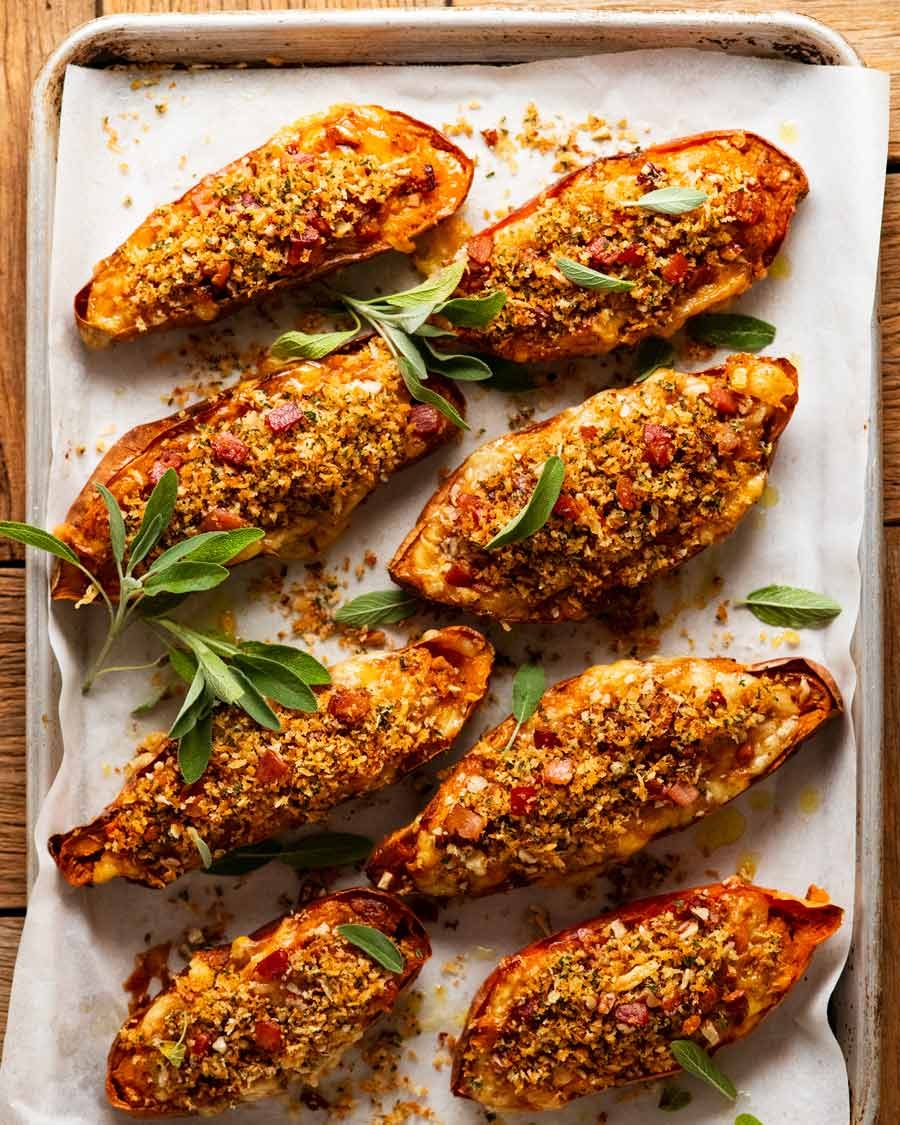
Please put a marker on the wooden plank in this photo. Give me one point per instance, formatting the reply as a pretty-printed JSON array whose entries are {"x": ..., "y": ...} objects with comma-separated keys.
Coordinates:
[
  {"x": 10, "y": 931},
  {"x": 27, "y": 40},
  {"x": 890, "y": 1007},
  {"x": 12, "y": 737},
  {"x": 890, "y": 343}
]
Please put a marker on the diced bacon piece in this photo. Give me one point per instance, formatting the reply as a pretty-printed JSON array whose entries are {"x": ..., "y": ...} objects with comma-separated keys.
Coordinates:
[
  {"x": 221, "y": 519},
  {"x": 274, "y": 966},
  {"x": 298, "y": 157},
  {"x": 709, "y": 998},
  {"x": 727, "y": 439},
  {"x": 161, "y": 465},
  {"x": 682, "y": 793},
  {"x": 676, "y": 268},
  {"x": 521, "y": 799},
  {"x": 284, "y": 417},
  {"x": 600, "y": 253},
  {"x": 588, "y": 432},
  {"x": 425, "y": 420},
  {"x": 480, "y": 248},
  {"x": 716, "y": 698},
  {"x": 724, "y": 400},
  {"x": 670, "y": 1003},
  {"x": 230, "y": 449},
  {"x": 744, "y": 753},
  {"x": 626, "y": 494},
  {"x": 631, "y": 255},
  {"x": 424, "y": 182},
  {"x": 202, "y": 200},
  {"x": 658, "y": 445},
  {"x": 221, "y": 274},
  {"x": 268, "y": 1036},
  {"x": 745, "y": 206},
  {"x": 474, "y": 505},
  {"x": 198, "y": 1045},
  {"x": 635, "y": 1014},
  {"x": 490, "y": 137},
  {"x": 559, "y": 771},
  {"x": 567, "y": 507},
  {"x": 460, "y": 573},
  {"x": 699, "y": 276},
  {"x": 350, "y": 706},
  {"x": 544, "y": 739},
  {"x": 464, "y": 823},
  {"x": 271, "y": 767}
]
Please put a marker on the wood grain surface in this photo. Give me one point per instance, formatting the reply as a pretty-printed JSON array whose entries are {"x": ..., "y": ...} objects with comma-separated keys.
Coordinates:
[{"x": 29, "y": 32}]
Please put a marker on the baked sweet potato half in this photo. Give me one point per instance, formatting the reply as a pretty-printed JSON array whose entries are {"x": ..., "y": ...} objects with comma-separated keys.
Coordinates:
[
  {"x": 611, "y": 760},
  {"x": 293, "y": 453},
  {"x": 381, "y": 717},
  {"x": 598, "y": 1005},
  {"x": 334, "y": 188},
  {"x": 677, "y": 265},
  {"x": 653, "y": 474},
  {"x": 279, "y": 1006}
]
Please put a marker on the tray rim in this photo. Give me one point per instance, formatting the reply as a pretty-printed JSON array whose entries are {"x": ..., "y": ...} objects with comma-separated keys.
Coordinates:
[{"x": 856, "y": 998}]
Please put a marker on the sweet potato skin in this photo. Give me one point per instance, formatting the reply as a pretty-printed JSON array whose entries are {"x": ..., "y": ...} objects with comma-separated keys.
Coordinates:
[
  {"x": 259, "y": 783},
  {"x": 681, "y": 265},
  {"x": 552, "y": 802},
  {"x": 363, "y": 427},
  {"x": 655, "y": 472},
  {"x": 135, "y": 1063},
  {"x": 500, "y": 1029},
  {"x": 141, "y": 287}
]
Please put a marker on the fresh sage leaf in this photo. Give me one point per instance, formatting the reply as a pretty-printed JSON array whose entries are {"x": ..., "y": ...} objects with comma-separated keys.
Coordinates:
[
  {"x": 537, "y": 511},
  {"x": 429, "y": 330},
  {"x": 116, "y": 524},
  {"x": 251, "y": 700},
  {"x": 376, "y": 944},
  {"x": 218, "y": 678},
  {"x": 508, "y": 377},
  {"x": 36, "y": 537},
  {"x": 421, "y": 393},
  {"x": 673, "y": 1098},
  {"x": 184, "y": 664},
  {"x": 300, "y": 345},
  {"x": 187, "y": 716},
  {"x": 195, "y": 749},
  {"x": 696, "y": 1061},
  {"x": 306, "y": 667},
  {"x": 157, "y": 516},
  {"x": 527, "y": 691},
  {"x": 732, "y": 330},
  {"x": 174, "y": 1051},
  {"x": 473, "y": 312},
  {"x": 670, "y": 200},
  {"x": 185, "y": 578},
  {"x": 466, "y": 368},
  {"x": 208, "y": 547},
  {"x": 152, "y": 703},
  {"x": 789, "y": 607},
  {"x": 244, "y": 860},
  {"x": 586, "y": 278},
  {"x": 380, "y": 607},
  {"x": 275, "y": 681},
  {"x": 432, "y": 291},
  {"x": 201, "y": 846},
  {"x": 404, "y": 349},
  {"x": 651, "y": 354},
  {"x": 326, "y": 849}
]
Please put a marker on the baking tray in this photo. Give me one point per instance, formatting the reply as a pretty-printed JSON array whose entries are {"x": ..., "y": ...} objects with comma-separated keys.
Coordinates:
[{"x": 436, "y": 36}]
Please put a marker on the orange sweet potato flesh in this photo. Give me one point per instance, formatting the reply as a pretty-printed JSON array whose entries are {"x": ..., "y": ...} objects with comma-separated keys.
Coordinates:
[
  {"x": 253, "y": 1015},
  {"x": 681, "y": 265},
  {"x": 330, "y": 189},
  {"x": 597, "y": 1005}
]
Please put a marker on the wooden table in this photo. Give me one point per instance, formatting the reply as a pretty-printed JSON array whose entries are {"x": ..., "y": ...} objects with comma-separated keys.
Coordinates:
[{"x": 29, "y": 32}]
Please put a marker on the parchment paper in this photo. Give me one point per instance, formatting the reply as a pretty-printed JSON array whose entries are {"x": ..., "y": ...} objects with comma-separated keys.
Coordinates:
[{"x": 798, "y": 828}]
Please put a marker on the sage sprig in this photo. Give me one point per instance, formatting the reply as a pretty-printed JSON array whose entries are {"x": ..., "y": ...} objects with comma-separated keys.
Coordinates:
[
  {"x": 537, "y": 511},
  {"x": 376, "y": 944},
  {"x": 673, "y": 1098},
  {"x": 669, "y": 200},
  {"x": 789, "y": 607},
  {"x": 652, "y": 354},
  {"x": 732, "y": 330},
  {"x": 528, "y": 689},
  {"x": 326, "y": 849},
  {"x": 401, "y": 320},
  {"x": 193, "y": 564},
  {"x": 586, "y": 278},
  {"x": 380, "y": 607},
  {"x": 692, "y": 1058}
]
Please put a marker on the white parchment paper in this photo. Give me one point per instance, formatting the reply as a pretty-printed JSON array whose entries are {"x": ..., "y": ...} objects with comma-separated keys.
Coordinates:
[{"x": 798, "y": 827}]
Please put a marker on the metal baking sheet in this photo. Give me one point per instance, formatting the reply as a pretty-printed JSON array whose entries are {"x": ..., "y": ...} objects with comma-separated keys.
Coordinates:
[{"x": 486, "y": 36}]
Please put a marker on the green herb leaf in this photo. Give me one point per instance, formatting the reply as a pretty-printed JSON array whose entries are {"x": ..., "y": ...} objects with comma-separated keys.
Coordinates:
[
  {"x": 244, "y": 860},
  {"x": 746, "y": 1119},
  {"x": 432, "y": 291},
  {"x": 185, "y": 578},
  {"x": 157, "y": 516},
  {"x": 189, "y": 713},
  {"x": 252, "y": 701},
  {"x": 152, "y": 703},
  {"x": 732, "y": 330},
  {"x": 381, "y": 607},
  {"x": 376, "y": 944},
  {"x": 306, "y": 667},
  {"x": 116, "y": 524},
  {"x": 403, "y": 348},
  {"x": 275, "y": 681},
  {"x": 696, "y": 1061},
  {"x": 789, "y": 607},
  {"x": 195, "y": 749},
  {"x": 673, "y": 1098},
  {"x": 670, "y": 200},
  {"x": 473, "y": 312},
  {"x": 299, "y": 345},
  {"x": 184, "y": 664},
  {"x": 508, "y": 377},
  {"x": 651, "y": 354},
  {"x": 218, "y": 678},
  {"x": 37, "y": 537},
  {"x": 421, "y": 393},
  {"x": 586, "y": 278},
  {"x": 431, "y": 332},
  {"x": 326, "y": 849},
  {"x": 537, "y": 511},
  {"x": 466, "y": 368},
  {"x": 528, "y": 688},
  {"x": 174, "y": 1052},
  {"x": 201, "y": 846},
  {"x": 208, "y": 547}
]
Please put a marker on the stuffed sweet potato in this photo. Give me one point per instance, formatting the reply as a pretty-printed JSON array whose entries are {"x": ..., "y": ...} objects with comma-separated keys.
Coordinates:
[
  {"x": 244, "y": 1020},
  {"x": 653, "y": 474},
  {"x": 675, "y": 265},
  {"x": 381, "y": 717},
  {"x": 599, "y": 1004},
  {"x": 611, "y": 760},
  {"x": 334, "y": 188},
  {"x": 293, "y": 453}
]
